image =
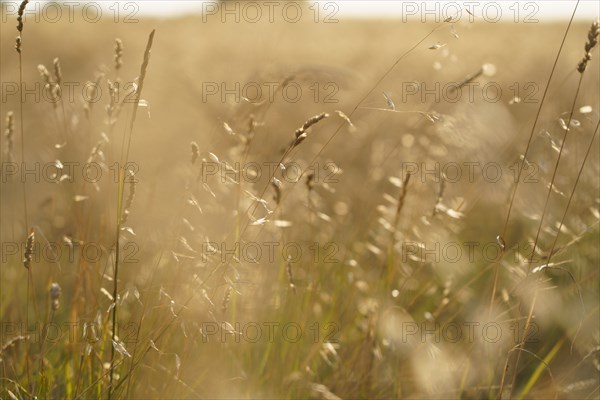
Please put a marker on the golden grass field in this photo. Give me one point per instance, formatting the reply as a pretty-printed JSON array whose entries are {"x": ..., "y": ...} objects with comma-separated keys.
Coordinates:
[{"x": 259, "y": 249}]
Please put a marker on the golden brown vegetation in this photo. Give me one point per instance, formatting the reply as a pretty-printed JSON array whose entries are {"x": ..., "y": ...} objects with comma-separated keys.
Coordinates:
[{"x": 327, "y": 261}]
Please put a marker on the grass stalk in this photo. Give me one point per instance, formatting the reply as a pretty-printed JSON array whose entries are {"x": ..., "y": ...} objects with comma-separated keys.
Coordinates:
[
  {"x": 119, "y": 215},
  {"x": 592, "y": 41}
]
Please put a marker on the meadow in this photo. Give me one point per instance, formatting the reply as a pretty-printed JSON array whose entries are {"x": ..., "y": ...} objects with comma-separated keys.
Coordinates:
[{"x": 328, "y": 208}]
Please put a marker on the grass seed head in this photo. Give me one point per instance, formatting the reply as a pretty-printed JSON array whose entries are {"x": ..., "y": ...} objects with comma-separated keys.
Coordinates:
[
  {"x": 591, "y": 42},
  {"x": 310, "y": 181},
  {"x": 226, "y": 299},
  {"x": 28, "y": 255},
  {"x": 54, "y": 296},
  {"x": 51, "y": 86},
  {"x": 118, "y": 54},
  {"x": 290, "y": 275},
  {"x": 276, "y": 183},
  {"x": 195, "y": 151},
  {"x": 301, "y": 133},
  {"x": 8, "y": 134},
  {"x": 130, "y": 197},
  {"x": 89, "y": 103},
  {"x": 401, "y": 198},
  {"x": 20, "y": 15},
  {"x": 45, "y": 75},
  {"x": 57, "y": 71}
]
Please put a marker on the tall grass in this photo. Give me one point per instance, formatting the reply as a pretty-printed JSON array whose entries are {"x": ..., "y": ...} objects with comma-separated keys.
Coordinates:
[{"x": 176, "y": 243}]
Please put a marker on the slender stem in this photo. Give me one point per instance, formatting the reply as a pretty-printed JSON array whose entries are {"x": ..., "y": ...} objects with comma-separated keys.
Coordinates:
[
  {"x": 537, "y": 116},
  {"x": 25, "y": 213},
  {"x": 537, "y": 236},
  {"x": 22, "y": 140},
  {"x": 115, "y": 284},
  {"x": 124, "y": 158},
  {"x": 551, "y": 186},
  {"x": 524, "y": 159},
  {"x": 562, "y": 220}
]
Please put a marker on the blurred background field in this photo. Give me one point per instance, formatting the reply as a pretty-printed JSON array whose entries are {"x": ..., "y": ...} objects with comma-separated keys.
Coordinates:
[{"x": 361, "y": 284}]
